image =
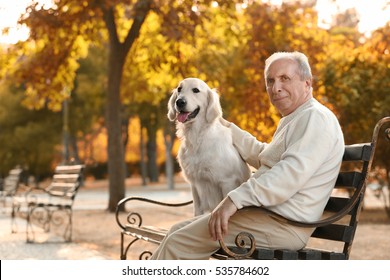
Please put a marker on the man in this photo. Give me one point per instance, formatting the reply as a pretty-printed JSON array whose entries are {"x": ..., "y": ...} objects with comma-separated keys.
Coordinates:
[{"x": 295, "y": 173}]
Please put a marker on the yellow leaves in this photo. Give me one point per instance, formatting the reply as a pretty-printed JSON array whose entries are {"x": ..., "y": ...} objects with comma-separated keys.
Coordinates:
[
  {"x": 81, "y": 48},
  {"x": 49, "y": 69}
]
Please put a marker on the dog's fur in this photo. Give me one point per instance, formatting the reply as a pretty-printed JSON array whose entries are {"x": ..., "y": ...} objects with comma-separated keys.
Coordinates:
[{"x": 207, "y": 157}]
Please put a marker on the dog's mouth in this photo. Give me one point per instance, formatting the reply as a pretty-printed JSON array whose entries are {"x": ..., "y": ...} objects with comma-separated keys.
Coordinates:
[{"x": 186, "y": 116}]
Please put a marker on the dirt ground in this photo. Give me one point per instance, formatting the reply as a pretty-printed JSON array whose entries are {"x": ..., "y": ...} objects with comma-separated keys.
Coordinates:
[
  {"x": 372, "y": 240},
  {"x": 96, "y": 230}
]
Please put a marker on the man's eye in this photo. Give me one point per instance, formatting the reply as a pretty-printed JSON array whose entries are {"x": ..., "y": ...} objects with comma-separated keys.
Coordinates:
[
  {"x": 284, "y": 78},
  {"x": 179, "y": 89},
  {"x": 195, "y": 90}
]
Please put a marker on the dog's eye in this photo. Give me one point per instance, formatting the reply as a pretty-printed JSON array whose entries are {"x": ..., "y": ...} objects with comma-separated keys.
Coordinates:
[
  {"x": 179, "y": 89},
  {"x": 195, "y": 90}
]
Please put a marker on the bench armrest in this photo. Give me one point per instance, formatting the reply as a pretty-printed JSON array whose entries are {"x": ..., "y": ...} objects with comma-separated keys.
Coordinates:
[{"x": 134, "y": 217}]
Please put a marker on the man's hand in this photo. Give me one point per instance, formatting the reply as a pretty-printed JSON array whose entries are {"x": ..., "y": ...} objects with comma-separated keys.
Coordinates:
[{"x": 218, "y": 222}]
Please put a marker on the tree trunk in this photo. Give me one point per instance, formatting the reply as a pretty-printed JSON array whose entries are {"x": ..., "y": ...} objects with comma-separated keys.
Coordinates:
[
  {"x": 169, "y": 139},
  {"x": 125, "y": 139},
  {"x": 117, "y": 55},
  {"x": 151, "y": 150},
  {"x": 116, "y": 161},
  {"x": 144, "y": 172},
  {"x": 75, "y": 150},
  {"x": 65, "y": 132}
]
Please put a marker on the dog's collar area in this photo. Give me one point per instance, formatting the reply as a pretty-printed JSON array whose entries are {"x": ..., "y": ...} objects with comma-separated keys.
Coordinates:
[{"x": 186, "y": 116}]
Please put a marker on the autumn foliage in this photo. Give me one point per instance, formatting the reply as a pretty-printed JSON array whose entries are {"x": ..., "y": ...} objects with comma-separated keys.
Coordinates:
[{"x": 116, "y": 63}]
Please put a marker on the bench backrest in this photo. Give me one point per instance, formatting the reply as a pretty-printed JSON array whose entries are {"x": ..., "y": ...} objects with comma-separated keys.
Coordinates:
[
  {"x": 348, "y": 198},
  {"x": 12, "y": 181},
  {"x": 66, "y": 181},
  {"x": 346, "y": 201}
]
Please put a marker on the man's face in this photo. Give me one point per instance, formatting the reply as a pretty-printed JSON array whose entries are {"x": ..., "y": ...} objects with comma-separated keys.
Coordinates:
[{"x": 284, "y": 86}]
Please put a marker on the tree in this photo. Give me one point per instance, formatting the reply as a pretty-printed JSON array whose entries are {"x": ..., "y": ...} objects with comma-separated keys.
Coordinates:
[
  {"x": 356, "y": 80},
  {"x": 86, "y": 105},
  {"x": 20, "y": 128},
  {"x": 59, "y": 37}
]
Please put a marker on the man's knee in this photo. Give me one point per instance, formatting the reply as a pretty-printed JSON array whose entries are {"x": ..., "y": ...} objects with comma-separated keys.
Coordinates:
[
  {"x": 174, "y": 228},
  {"x": 170, "y": 240},
  {"x": 169, "y": 249}
]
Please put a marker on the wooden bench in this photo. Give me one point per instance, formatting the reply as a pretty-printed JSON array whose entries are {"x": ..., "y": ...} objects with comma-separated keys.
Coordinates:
[
  {"x": 336, "y": 229},
  {"x": 50, "y": 206},
  {"x": 11, "y": 185}
]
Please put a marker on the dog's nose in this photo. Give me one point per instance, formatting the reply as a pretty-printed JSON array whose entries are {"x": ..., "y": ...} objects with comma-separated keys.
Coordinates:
[{"x": 181, "y": 103}]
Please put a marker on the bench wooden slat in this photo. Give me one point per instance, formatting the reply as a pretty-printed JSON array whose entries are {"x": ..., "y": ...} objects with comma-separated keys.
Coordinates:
[
  {"x": 335, "y": 204},
  {"x": 333, "y": 256},
  {"x": 357, "y": 152},
  {"x": 309, "y": 254},
  {"x": 68, "y": 169},
  {"x": 349, "y": 179},
  {"x": 286, "y": 255},
  {"x": 151, "y": 234},
  {"x": 263, "y": 254},
  {"x": 335, "y": 232},
  {"x": 62, "y": 185},
  {"x": 68, "y": 176},
  {"x": 58, "y": 193}
]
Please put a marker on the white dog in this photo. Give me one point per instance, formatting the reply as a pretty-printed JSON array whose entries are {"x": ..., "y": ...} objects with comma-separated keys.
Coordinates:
[{"x": 207, "y": 157}]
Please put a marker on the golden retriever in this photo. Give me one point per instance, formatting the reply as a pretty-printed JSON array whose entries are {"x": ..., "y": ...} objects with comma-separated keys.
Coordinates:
[{"x": 207, "y": 157}]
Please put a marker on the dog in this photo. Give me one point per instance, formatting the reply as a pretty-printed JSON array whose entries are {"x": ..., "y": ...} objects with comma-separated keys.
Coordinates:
[{"x": 207, "y": 157}]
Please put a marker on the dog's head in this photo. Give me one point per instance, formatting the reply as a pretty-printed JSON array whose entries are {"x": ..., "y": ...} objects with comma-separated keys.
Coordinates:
[{"x": 193, "y": 99}]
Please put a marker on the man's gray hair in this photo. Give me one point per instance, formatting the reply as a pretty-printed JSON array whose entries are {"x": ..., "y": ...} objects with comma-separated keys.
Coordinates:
[{"x": 300, "y": 58}]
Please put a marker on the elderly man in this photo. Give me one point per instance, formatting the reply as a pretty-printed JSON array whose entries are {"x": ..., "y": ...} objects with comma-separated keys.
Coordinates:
[{"x": 295, "y": 174}]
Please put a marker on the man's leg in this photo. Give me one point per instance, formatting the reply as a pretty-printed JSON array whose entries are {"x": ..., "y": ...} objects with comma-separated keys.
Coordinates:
[
  {"x": 174, "y": 228},
  {"x": 191, "y": 240}
]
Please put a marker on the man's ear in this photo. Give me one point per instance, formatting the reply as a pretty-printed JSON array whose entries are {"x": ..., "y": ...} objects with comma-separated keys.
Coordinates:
[
  {"x": 171, "y": 106},
  {"x": 309, "y": 83},
  {"x": 213, "y": 109}
]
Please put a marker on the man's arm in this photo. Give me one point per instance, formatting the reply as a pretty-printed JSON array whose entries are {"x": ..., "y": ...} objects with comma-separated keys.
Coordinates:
[{"x": 246, "y": 144}]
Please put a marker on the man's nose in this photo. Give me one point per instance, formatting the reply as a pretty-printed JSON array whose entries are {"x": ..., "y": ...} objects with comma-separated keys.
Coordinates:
[{"x": 277, "y": 86}]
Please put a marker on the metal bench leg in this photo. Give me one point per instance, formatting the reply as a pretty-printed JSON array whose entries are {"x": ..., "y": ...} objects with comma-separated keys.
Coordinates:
[
  {"x": 14, "y": 211},
  {"x": 69, "y": 226},
  {"x": 30, "y": 236},
  {"x": 123, "y": 254}
]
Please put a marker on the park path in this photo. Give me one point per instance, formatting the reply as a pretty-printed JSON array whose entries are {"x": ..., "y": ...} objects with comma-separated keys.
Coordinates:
[{"x": 372, "y": 240}]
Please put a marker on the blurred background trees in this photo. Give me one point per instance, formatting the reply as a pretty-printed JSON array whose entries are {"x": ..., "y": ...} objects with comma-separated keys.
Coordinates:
[{"x": 114, "y": 63}]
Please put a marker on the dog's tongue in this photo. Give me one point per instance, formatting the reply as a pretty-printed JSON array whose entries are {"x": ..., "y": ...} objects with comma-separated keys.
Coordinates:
[{"x": 182, "y": 117}]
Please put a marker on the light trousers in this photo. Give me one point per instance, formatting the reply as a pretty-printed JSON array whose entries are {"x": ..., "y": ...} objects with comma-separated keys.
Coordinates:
[{"x": 190, "y": 239}]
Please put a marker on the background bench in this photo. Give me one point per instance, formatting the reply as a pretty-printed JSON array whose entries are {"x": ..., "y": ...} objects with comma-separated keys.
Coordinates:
[
  {"x": 50, "y": 206},
  {"x": 336, "y": 229},
  {"x": 10, "y": 184}
]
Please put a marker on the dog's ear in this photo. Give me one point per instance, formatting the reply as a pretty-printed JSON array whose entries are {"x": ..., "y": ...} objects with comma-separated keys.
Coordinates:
[
  {"x": 171, "y": 106},
  {"x": 214, "y": 109}
]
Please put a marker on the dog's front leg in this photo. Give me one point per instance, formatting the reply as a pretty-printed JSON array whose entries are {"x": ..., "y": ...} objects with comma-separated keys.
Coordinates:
[{"x": 197, "y": 202}]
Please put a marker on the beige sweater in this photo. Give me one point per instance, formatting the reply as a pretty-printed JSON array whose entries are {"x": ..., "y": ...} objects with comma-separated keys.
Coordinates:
[{"x": 298, "y": 169}]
